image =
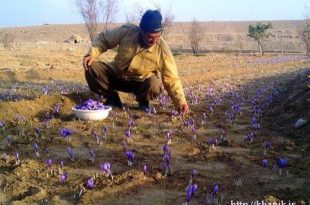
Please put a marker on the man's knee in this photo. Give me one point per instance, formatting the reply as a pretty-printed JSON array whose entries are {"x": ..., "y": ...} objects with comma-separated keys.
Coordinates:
[{"x": 154, "y": 83}]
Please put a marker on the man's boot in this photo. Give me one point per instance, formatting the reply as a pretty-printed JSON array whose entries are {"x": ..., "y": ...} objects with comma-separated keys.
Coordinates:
[
  {"x": 114, "y": 101},
  {"x": 144, "y": 105}
]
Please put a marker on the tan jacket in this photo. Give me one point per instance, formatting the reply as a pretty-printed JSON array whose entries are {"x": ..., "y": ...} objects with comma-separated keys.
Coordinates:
[{"x": 133, "y": 61}]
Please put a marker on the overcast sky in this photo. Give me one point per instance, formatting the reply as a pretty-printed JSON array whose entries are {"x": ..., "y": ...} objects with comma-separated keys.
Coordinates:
[{"x": 38, "y": 12}]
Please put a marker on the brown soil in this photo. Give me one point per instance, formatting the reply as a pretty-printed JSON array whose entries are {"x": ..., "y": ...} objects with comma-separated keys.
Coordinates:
[{"x": 32, "y": 182}]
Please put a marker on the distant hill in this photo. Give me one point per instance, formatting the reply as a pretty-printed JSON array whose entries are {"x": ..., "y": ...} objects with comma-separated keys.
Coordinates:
[{"x": 223, "y": 36}]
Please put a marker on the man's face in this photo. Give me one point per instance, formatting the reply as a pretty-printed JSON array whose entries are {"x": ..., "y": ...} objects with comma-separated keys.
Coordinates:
[{"x": 150, "y": 38}]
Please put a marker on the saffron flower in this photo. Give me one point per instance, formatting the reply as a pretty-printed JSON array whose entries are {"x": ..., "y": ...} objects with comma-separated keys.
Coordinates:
[
  {"x": 265, "y": 163},
  {"x": 17, "y": 160},
  {"x": 128, "y": 135},
  {"x": 37, "y": 132},
  {"x": 92, "y": 155},
  {"x": 70, "y": 153},
  {"x": 90, "y": 183},
  {"x": 249, "y": 137},
  {"x": 63, "y": 177},
  {"x": 104, "y": 132},
  {"x": 45, "y": 90},
  {"x": 167, "y": 158},
  {"x": 267, "y": 146},
  {"x": 36, "y": 149},
  {"x": 106, "y": 168},
  {"x": 97, "y": 138},
  {"x": 130, "y": 157},
  {"x": 91, "y": 104},
  {"x": 9, "y": 140},
  {"x": 61, "y": 164},
  {"x": 49, "y": 162},
  {"x": 212, "y": 142},
  {"x": 190, "y": 192},
  {"x": 169, "y": 136},
  {"x": 144, "y": 169},
  {"x": 282, "y": 163},
  {"x": 66, "y": 133}
]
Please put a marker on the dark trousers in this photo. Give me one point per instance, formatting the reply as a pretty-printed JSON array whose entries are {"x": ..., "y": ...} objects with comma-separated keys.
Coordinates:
[{"x": 103, "y": 82}]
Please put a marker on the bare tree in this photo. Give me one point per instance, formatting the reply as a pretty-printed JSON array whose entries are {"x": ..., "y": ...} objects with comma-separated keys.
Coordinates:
[
  {"x": 8, "y": 40},
  {"x": 304, "y": 33},
  {"x": 89, "y": 9},
  {"x": 109, "y": 11},
  {"x": 195, "y": 35},
  {"x": 168, "y": 18}
]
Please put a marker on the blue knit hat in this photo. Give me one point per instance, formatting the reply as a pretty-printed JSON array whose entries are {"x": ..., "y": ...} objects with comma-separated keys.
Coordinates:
[{"x": 151, "y": 21}]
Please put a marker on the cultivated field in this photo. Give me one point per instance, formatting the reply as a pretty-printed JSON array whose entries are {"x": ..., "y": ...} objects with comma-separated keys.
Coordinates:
[{"x": 243, "y": 110}]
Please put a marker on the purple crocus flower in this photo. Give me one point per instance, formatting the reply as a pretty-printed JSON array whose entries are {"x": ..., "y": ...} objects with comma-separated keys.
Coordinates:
[
  {"x": 2, "y": 124},
  {"x": 130, "y": 157},
  {"x": 215, "y": 190},
  {"x": 169, "y": 136},
  {"x": 255, "y": 123},
  {"x": 56, "y": 109},
  {"x": 194, "y": 173},
  {"x": 92, "y": 155},
  {"x": 49, "y": 162},
  {"x": 217, "y": 101},
  {"x": 167, "y": 158},
  {"x": 97, "y": 138},
  {"x": 265, "y": 163},
  {"x": 144, "y": 169},
  {"x": 65, "y": 133},
  {"x": 174, "y": 113},
  {"x": 36, "y": 149},
  {"x": 61, "y": 164},
  {"x": 90, "y": 183},
  {"x": 282, "y": 163},
  {"x": 267, "y": 145},
  {"x": 37, "y": 131},
  {"x": 63, "y": 177},
  {"x": 165, "y": 148},
  {"x": 211, "y": 108},
  {"x": 17, "y": 160},
  {"x": 70, "y": 153},
  {"x": 230, "y": 117},
  {"x": 190, "y": 192},
  {"x": 212, "y": 142},
  {"x": 106, "y": 167},
  {"x": 128, "y": 134},
  {"x": 104, "y": 131},
  {"x": 9, "y": 140},
  {"x": 250, "y": 137},
  {"x": 45, "y": 90}
]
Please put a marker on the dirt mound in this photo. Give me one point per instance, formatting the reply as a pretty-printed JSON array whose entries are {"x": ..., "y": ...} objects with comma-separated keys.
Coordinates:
[{"x": 293, "y": 105}]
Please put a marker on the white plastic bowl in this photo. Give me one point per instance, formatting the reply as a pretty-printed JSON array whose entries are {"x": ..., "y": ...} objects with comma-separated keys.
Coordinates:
[{"x": 91, "y": 114}]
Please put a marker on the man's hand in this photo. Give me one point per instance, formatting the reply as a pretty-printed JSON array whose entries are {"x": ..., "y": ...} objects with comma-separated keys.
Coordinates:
[
  {"x": 87, "y": 61},
  {"x": 184, "y": 109}
]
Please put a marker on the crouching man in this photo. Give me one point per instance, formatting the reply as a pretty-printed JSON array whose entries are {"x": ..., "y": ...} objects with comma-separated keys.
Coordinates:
[{"x": 142, "y": 64}]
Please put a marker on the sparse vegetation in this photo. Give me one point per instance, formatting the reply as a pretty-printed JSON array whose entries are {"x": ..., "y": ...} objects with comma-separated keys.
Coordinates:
[
  {"x": 8, "y": 40},
  {"x": 259, "y": 32},
  {"x": 196, "y": 35},
  {"x": 304, "y": 33}
]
